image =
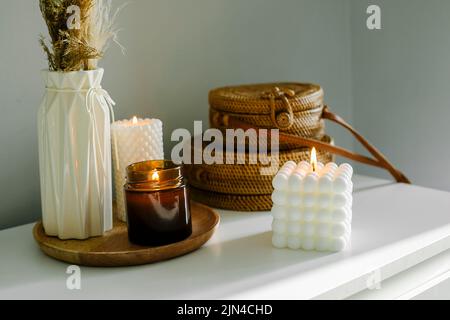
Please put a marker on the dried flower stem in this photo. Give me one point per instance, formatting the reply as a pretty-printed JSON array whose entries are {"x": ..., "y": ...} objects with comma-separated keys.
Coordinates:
[{"x": 77, "y": 49}]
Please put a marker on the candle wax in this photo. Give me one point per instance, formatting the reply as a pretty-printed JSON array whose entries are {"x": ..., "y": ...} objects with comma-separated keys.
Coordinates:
[{"x": 133, "y": 141}]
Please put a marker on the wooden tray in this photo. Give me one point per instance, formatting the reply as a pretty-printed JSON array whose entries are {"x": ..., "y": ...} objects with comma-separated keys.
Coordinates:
[{"x": 114, "y": 249}]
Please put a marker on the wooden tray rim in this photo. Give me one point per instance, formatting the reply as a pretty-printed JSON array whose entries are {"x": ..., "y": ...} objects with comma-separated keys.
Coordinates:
[{"x": 143, "y": 250}]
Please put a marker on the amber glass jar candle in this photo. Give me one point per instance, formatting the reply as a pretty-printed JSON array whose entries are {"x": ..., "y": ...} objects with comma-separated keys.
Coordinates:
[{"x": 157, "y": 203}]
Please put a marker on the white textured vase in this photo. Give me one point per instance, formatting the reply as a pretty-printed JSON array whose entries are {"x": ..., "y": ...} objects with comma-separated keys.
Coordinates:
[{"x": 75, "y": 155}]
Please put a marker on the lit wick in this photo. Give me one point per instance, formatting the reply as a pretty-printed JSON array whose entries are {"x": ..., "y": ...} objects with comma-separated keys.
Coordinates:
[
  {"x": 135, "y": 120},
  {"x": 155, "y": 176},
  {"x": 314, "y": 159}
]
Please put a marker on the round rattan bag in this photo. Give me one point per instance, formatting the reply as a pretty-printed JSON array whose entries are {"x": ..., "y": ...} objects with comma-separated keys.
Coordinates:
[
  {"x": 241, "y": 187},
  {"x": 298, "y": 112},
  {"x": 293, "y": 108}
]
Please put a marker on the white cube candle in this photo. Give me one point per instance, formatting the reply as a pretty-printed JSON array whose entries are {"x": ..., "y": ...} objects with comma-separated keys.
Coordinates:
[
  {"x": 313, "y": 208},
  {"x": 133, "y": 141}
]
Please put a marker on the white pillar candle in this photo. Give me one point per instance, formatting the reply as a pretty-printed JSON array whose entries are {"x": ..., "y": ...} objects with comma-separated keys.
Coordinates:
[
  {"x": 313, "y": 206},
  {"x": 133, "y": 141}
]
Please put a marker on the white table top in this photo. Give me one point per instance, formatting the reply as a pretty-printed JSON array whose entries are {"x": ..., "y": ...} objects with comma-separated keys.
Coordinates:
[{"x": 395, "y": 227}]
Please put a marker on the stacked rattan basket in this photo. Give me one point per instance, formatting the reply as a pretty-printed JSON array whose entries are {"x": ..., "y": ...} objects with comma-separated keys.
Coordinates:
[{"x": 293, "y": 108}]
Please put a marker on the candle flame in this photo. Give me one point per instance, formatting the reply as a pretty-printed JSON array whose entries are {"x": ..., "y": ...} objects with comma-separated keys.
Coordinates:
[
  {"x": 135, "y": 120},
  {"x": 314, "y": 159},
  {"x": 155, "y": 176}
]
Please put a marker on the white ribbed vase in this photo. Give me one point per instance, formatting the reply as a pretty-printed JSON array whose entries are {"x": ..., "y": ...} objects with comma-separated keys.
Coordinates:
[{"x": 75, "y": 155}]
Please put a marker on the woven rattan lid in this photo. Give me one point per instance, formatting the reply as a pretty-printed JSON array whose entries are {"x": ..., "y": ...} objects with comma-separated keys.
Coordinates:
[{"x": 261, "y": 98}]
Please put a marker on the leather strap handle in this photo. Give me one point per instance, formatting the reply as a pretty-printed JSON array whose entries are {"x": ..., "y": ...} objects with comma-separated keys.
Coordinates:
[
  {"x": 382, "y": 160},
  {"x": 379, "y": 159}
]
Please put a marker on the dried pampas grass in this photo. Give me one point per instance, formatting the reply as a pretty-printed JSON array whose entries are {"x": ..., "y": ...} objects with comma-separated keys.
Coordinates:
[{"x": 77, "y": 49}]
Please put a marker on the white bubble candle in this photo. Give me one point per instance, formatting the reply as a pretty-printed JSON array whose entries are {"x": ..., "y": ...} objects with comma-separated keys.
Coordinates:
[{"x": 312, "y": 206}]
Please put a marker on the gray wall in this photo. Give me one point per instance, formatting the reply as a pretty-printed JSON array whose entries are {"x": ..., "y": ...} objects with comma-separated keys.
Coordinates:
[
  {"x": 177, "y": 50},
  {"x": 401, "y": 85}
]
